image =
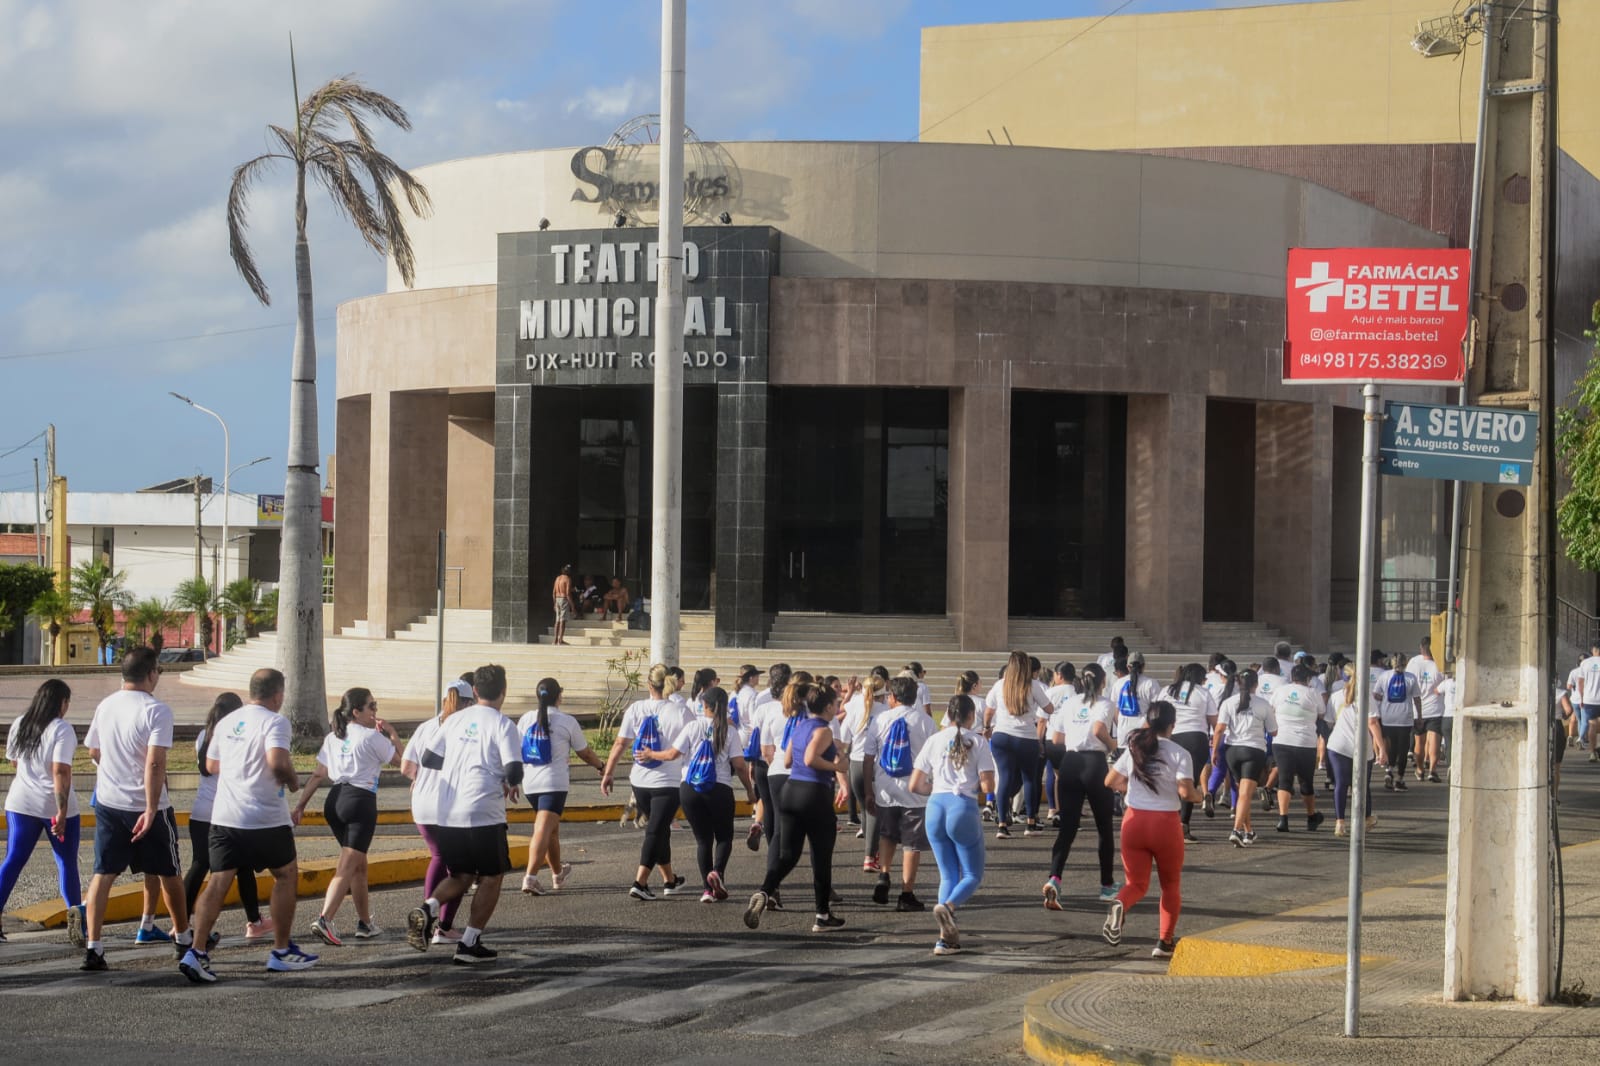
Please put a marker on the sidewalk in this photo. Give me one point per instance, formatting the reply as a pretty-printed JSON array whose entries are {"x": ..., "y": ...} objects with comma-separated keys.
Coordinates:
[{"x": 1272, "y": 991}]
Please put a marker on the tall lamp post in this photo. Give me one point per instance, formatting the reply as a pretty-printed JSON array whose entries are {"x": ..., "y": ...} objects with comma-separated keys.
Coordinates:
[{"x": 222, "y": 580}]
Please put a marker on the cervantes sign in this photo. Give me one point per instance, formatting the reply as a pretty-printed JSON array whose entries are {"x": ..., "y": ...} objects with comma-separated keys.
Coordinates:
[{"x": 1388, "y": 315}]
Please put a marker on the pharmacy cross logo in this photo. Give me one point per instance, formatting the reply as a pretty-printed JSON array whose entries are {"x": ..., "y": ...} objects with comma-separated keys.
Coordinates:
[{"x": 1322, "y": 285}]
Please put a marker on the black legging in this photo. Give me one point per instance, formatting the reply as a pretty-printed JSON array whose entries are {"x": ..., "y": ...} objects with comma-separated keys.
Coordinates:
[
  {"x": 858, "y": 802},
  {"x": 1198, "y": 745},
  {"x": 200, "y": 865},
  {"x": 776, "y": 783},
  {"x": 806, "y": 810},
  {"x": 1398, "y": 740},
  {"x": 710, "y": 815},
  {"x": 758, "y": 774},
  {"x": 1081, "y": 775},
  {"x": 661, "y": 804}
]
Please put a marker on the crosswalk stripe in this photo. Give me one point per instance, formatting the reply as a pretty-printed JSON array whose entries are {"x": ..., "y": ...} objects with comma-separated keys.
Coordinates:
[
  {"x": 667, "y": 962},
  {"x": 679, "y": 1003},
  {"x": 863, "y": 1000},
  {"x": 970, "y": 1024}
]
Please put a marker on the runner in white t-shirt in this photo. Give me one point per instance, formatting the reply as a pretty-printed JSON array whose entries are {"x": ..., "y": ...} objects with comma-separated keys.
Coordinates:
[
  {"x": 1399, "y": 697},
  {"x": 426, "y": 785},
  {"x": 40, "y": 801},
  {"x": 1343, "y": 742},
  {"x": 352, "y": 757},
  {"x": 250, "y": 825},
  {"x": 901, "y": 812},
  {"x": 205, "y": 797},
  {"x": 859, "y": 711},
  {"x": 1588, "y": 700},
  {"x": 1430, "y": 723},
  {"x": 550, "y": 737},
  {"x": 479, "y": 757},
  {"x": 765, "y": 822},
  {"x": 1197, "y": 720},
  {"x": 1082, "y": 729},
  {"x": 1013, "y": 717},
  {"x": 953, "y": 769},
  {"x": 651, "y": 724},
  {"x": 1298, "y": 709},
  {"x": 1244, "y": 722}
]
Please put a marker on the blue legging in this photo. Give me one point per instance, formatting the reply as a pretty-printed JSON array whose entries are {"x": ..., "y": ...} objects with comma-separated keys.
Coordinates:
[
  {"x": 1017, "y": 761},
  {"x": 22, "y": 835},
  {"x": 955, "y": 833}
]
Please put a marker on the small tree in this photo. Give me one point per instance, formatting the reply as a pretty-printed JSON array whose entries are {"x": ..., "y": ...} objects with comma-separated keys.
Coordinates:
[
  {"x": 1578, "y": 448},
  {"x": 194, "y": 595},
  {"x": 55, "y": 609},
  {"x": 103, "y": 591},
  {"x": 20, "y": 585},
  {"x": 623, "y": 675},
  {"x": 147, "y": 619}
]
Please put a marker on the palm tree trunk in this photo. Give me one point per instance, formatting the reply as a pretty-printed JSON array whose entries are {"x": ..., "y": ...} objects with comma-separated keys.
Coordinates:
[{"x": 300, "y": 640}]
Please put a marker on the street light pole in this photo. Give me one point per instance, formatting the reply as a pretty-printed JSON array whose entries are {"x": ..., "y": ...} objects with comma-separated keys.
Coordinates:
[{"x": 221, "y": 581}]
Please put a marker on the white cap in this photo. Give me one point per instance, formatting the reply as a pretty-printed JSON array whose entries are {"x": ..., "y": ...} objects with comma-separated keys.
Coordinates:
[{"x": 462, "y": 689}]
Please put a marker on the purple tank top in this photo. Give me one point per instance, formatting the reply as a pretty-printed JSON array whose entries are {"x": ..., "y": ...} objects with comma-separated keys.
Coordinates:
[{"x": 798, "y": 744}]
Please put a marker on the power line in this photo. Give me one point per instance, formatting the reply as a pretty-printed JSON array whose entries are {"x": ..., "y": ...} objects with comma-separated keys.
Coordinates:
[{"x": 154, "y": 340}]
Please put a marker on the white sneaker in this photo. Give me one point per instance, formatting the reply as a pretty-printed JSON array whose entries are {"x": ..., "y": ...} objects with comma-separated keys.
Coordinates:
[
  {"x": 289, "y": 959},
  {"x": 558, "y": 880},
  {"x": 446, "y": 936},
  {"x": 532, "y": 885},
  {"x": 259, "y": 930}
]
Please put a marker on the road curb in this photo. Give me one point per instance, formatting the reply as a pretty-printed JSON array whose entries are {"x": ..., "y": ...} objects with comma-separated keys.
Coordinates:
[{"x": 1048, "y": 1038}]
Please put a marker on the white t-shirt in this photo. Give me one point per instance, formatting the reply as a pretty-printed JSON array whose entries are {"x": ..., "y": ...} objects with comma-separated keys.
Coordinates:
[
  {"x": 688, "y": 742},
  {"x": 896, "y": 791},
  {"x": 1447, "y": 695},
  {"x": 33, "y": 790},
  {"x": 1195, "y": 712},
  {"x": 1343, "y": 739},
  {"x": 1589, "y": 680},
  {"x": 774, "y": 725},
  {"x": 934, "y": 761},
  {"x": 670, "y": 718},
  {"x": 248, "y": 795},
  {"x": 358, "y": 759},
  {"x": 566, "y": 737},
  {"x": 1149, "y": 690},
  {"x": 1023, "y": 723},
  {"x": 1268, "y": 685},
  {"x": 744, "y": 701},
  {"x": 426, "y": 786},
  {"x": 1107, "y": 662},
  {"x": 205, "y": 794},
  {"x": 754, "y": 716},
  {"x": 1247, "y": 726},
  {"x": 1428, "y": 678},
  {"x": 1297, "y": 709},
  {"x": 477, "y": 743},
  {"x": 924, "y": 697},
  {"x": 1171, "y": 765},
  {"x": 1403, "y": 713},
  {"x": 1074, "y": 721},
  {"x": 850, "y": 729},
  {"x": 125, "y": 724}
]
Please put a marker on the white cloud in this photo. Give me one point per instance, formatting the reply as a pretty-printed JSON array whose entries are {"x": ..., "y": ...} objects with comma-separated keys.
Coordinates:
[{"x": 609, "y": 102}]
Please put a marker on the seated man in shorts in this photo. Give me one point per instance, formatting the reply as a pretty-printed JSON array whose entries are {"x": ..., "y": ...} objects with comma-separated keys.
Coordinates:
[{"x": 616, "y": 599}]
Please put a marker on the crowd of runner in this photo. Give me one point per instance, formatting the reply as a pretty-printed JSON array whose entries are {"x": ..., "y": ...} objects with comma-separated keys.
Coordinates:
[{"x": 815, "y": 757}]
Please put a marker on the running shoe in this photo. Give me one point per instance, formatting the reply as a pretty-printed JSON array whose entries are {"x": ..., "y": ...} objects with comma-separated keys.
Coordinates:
[
  {"x": 909, "y": 902},
  {"x": 1433, "y": 776},
  {"x": 1188, "y": 836},
  {"x": 1421, "y": 774},
  {"x": 532, "y": 885},
  {"x": 941, "y": 948},
  {"x": 1164, "y": 949},
  {"x": 707, "y": 897},
  {"x": 870, "y": 865},
  {"x": 3, "y": 939},
  {"x": 833, "y": 895},
  {"x": 93, "y": 961},
  {"x": 180, "y": 948},
  {"x": 1594, "y": 756},
  {"x": 775, "y": 900},
  {"x": 446, "y": 936},
  {"x": 1003, "y": 833},
  {"x": 1236, "y": 838},
  {"x": 752, "y": 839},
  {"x": 1052, "y": 895},
  {"x": 323, "y": 930},
  {"x": 826, "y": 922},
  {"x": 752, "y": 913},
  {"x": 213, "y": 940},
  {"x": 1283, "y": 824},
  {"x": 880, "y": 891},
  {"x": 153, "y": 935},
  {"x": 1372, "y": 820},
  {"x": 1314, "y": 820},
  {"x": 1388, "y": 779},
  {"x": 469, "y": 954},
  {"x": 641, "y": 892},
  {"x": 1339, "y": 829},
  {"x": 77, "y": 922},
  {"x": 420, "y": 924},
  {"x": 1108, "y": 893},
  {"x": 987, "y": 814},
  {"x": 1250, "y": 837},
  {"x": 1268, "y": 800},
  {"x": 290, "y": 959},
  {"x": 861, "y": 834},
  {"x": 853, "y": 821},
  {"x": 675, "y": 887},
  {"x": 1400, "y": 784},
  {"x": 196, "y": 966},
  {"x": 367, "y": 930},
  {"x": 1208, "y": 806},
  {"x": 1031, "y": 829},
  {"x": 1112, "y": 929},
  {"x": 558, "y": 880},
  {"x": 715, "y": 886},
  {"x": 948, "y": 933},
  {"x": 259, "y": 930}
]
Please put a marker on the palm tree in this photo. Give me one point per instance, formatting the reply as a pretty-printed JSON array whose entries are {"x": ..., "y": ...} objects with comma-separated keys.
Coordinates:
[
  {"x": 194, "y": 595},
  {"x": 103, "y": 591},
  {"x": 55, "y": 609},
  {"x": 149, "y": 617},
  {"x": 240, "y": 598},
  {"x": 362, "y": 182}
]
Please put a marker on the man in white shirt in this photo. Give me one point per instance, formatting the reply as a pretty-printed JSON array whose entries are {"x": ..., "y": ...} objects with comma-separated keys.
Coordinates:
[
  {"x": 1430, "y": 726},
  {"x": 1398, "y": 697},
  {"x": 251, "y": 829},
  {"x": 1589, "y": 699},
  {"x": 900, "y": 811},
  {"x": 479, "y": 756},
  {"x": 135, "y": 828}
]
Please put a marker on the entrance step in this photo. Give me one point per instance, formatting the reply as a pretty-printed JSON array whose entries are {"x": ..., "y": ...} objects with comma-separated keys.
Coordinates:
[{"x": 1242, "y": 641}]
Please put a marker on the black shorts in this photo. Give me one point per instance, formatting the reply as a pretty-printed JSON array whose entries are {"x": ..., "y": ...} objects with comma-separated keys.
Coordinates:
[
  {"x": 251, "y": 850},
  {"x": 352, "y": 814},
  {"x": 154, "y": 854},
  {"x": 904, "y": 826},
  {"x": 481, "y": 849},
  {"x": 1247, "y": 764},
  {"x": 554, "y": 802},
  {"x": 1430, "y": 725},
  {"x": 1295, "y": 763}
]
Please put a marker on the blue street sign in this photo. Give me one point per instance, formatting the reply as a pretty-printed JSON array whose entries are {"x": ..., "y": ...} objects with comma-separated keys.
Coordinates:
[{"x": 1488, "y": 444}]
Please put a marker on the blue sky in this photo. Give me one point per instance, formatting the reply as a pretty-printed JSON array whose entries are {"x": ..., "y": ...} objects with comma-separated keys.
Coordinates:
[{"x": 125, "y": 120}]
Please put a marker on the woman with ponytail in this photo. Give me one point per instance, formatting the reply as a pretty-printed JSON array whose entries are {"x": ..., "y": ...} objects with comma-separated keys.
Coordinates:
[
  {"x": 425, "y": 790},
  {"x": 654, "y": 781},
  {"x": 352, "y": 757},
  {"x": 859, "y": 711},
  {"x": 953, "y": 769},
  {"x": 41, "y": 801},
  {"x": 760, "y": 709},
  {"x": 1013, "y": 713},
  {"x": 1343, "y": 743},
  {"x": 1197, "y": 720},
  {"x": 1222, "y": 683},
  {"x": 1083, "y": 729},
  {"x": 778, "y": 722},
  {"x": 1158, "y": 777},
  {"x": 550, "y": 737},
  {"x": 1244, "y": 722}
]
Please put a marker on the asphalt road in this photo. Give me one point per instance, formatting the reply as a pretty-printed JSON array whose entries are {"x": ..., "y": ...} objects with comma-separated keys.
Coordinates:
[{"x": 593, "y": 976}]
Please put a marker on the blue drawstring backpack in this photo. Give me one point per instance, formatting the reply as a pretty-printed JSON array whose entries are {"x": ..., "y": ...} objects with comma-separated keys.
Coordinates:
[
  {"x": 1128, "y": 702},
  {"x": 752, "y": 750},
  {"x": 733, "y": 711},
  {"x": 1398, "y": 688},
  {"x": 896, "y": 757},
  {"x": 788, "y": 730},
  {"x": 702, "y": 773},
  {"x": 536, "y": 746},
  {"x": 649, "y": 739}
]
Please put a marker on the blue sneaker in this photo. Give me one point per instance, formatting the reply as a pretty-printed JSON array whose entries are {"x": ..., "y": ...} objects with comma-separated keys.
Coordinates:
[
  {"x": 1108, "y": 893},
  {"x": 289, "y": 959},
  {"x": 154, "y": 935}
]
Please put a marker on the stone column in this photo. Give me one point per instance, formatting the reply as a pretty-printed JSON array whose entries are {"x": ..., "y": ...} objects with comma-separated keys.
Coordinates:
[
  {"x": 352, "y": 516},
  {"x": 1166, "y": 486},
  {"x": 469, "y": 522},
  {"x": 409, "y": 468},
  {"x": 535, "y": 505},
  {"x": 1294, "y": 508},
  {"x": 741, "y": 525},
  {"x": 977, "y": 592}
]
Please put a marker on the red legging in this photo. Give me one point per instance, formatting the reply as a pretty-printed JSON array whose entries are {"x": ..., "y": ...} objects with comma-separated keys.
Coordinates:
[{"x": 1157, "y": 836}]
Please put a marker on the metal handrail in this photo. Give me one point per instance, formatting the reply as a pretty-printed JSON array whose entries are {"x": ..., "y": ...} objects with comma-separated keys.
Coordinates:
[
  {"x": 1576, "y": 626},
  {"x": 327, "y": 583},
  {"x": 1397, "y": 599}
]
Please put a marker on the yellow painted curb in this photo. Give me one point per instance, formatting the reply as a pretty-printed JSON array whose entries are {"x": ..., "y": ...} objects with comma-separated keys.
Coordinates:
[
  {"x": 590, "y": 812},
  {"x": 1198, "y": 956},
  {"x": 1048, "y": 1039}
]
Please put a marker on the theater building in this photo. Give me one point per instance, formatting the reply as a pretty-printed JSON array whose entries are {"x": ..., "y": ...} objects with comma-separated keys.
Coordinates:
[{"x": 975, "y": 381}]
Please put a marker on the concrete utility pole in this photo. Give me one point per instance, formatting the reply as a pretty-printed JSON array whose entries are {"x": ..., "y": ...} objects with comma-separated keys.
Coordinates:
[
  {"x": 666, "y": 508},
  {"x": 1498, "y": 913}
]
